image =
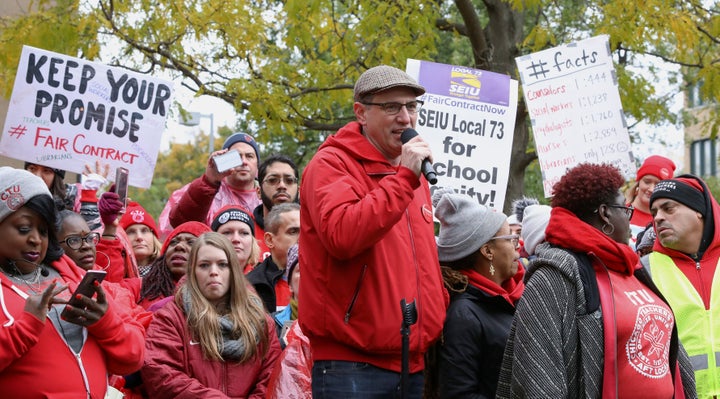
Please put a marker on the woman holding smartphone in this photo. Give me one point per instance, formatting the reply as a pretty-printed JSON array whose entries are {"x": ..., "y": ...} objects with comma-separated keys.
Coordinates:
[
  {"x": 214, "y": 339},
  {"x": 88, "y": 343}
]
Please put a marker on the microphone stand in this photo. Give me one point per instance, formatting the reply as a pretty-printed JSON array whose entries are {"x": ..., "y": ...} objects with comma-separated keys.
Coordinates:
[{"x": 409, "y": 317}]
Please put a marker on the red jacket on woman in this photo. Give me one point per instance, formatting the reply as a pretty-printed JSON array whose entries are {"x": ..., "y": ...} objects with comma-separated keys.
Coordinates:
[
  {"x": 35, "y": 361},
  {"x": 175, "y": 366}
]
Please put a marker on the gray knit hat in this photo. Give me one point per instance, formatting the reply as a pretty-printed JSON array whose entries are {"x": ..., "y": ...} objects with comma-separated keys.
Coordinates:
[
  {"x": 465, "y": 225},
  {"x": 383, "y": 77},
  {"x": 17, "y": 186},
  {"x": 535, "y": 220}
]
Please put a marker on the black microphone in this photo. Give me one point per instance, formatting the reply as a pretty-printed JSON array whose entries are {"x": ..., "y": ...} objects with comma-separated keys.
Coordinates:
[{"x": 426, "y": 167}]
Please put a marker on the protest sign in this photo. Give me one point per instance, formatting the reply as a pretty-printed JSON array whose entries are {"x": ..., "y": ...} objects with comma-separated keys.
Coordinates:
[
  {"x": 66, "y": 112},
  {"x": 468, "y": 119},
  {"x": 574, "y": 105}
]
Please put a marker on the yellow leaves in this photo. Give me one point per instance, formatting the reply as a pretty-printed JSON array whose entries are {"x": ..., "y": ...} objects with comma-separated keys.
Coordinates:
[{"x": 539, "y": 38}]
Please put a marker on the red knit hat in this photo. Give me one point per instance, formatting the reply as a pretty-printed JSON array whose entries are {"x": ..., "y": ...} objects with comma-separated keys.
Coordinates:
[
  {"x": 658, "y": 166},
  {"x": 136, "y": 214},
  {"x": 194, "y": 228}
]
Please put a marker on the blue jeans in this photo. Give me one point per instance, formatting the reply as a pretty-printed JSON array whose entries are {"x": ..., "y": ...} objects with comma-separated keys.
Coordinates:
[{"x": 340, "y": 379}]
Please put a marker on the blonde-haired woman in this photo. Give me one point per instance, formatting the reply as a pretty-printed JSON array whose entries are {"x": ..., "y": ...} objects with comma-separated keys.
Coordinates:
[{"x": 214, "y": 339}]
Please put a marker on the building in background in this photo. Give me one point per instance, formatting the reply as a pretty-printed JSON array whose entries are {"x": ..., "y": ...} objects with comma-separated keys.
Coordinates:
[{"x": 701, "y": 152}]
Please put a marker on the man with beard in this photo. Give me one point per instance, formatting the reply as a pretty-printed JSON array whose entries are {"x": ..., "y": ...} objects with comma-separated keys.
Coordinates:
[
  {"x": 684, "y": 264},
  {"x": 278, "y": 176},
  {"x": 204, "y": 196}
]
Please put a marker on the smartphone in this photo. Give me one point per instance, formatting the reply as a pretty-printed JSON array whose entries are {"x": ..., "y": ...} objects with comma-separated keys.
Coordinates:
[
  {"x": 121, "y": 184},
  {"x": 86, "y": 287},
  {"x": 228, "y": 160}
]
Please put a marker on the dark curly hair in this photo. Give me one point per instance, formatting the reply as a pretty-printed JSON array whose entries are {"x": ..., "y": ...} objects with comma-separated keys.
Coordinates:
[{"x": 583, "y": 188}]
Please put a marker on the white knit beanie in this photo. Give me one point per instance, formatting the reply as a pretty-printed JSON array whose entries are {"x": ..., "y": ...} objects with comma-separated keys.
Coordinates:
[
  {"x": 17, "y": 186},
  {"x": 465, "y": 225},
  {"x": 535, "y": 220}
]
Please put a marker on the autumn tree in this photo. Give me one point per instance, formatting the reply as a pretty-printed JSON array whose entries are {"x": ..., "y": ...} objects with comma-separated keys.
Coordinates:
[{"x": 288, "y": 67}]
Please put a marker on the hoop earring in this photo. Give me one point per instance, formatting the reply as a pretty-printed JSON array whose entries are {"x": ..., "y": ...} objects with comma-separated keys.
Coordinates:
[
  {"x": 612, "y": 229},
  {"x": 492, "y": 269},
  {"x": 108, "y": 259}
]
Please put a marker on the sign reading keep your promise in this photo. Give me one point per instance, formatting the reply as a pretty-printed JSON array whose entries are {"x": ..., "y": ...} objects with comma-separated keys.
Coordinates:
[{"x": 66, "y": 112}]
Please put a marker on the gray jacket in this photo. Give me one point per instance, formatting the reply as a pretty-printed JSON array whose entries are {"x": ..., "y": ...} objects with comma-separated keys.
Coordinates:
[{"x": 555, "y": 348}]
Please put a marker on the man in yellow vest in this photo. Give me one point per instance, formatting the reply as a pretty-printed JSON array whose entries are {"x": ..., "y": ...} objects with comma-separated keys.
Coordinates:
[{"x": 683, "y": 263}]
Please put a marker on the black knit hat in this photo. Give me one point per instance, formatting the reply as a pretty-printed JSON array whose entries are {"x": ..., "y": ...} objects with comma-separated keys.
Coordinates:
[
  {"x": 242, "y": 138},
  {"x": 233, "y": 212},
  {"x": 683, "y": 190}
]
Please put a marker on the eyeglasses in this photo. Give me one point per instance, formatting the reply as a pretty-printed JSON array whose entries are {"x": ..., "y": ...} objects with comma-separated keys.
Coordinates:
[
  {"x": 393, "y": 108},
  {"x": 76, "y": 241},
  {"x": 274, "y": 180},
  {"x": 514, "y": 238},
  {"x": 629, "y": 210}
]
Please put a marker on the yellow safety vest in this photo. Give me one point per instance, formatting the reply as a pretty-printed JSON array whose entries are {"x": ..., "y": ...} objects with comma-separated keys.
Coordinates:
[{"x": 699, "y": 329}]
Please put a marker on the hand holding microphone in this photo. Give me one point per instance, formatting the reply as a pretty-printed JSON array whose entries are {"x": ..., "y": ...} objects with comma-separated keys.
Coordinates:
[{"x": 425, "y": 166}]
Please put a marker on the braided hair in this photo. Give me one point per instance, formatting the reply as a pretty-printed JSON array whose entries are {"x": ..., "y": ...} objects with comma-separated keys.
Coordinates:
[{"x": 158, "y": 282}]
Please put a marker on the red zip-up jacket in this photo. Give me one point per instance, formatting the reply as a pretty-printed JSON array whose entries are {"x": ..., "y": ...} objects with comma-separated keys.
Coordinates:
[
  {"x": 367, "y": 242},
  {"x": 35, "y": 361},
  {"x": 175, "y": 366}
]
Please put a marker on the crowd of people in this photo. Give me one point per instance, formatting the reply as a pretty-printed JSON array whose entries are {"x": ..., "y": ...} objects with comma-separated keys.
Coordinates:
[{"x": 603, "y": 293}]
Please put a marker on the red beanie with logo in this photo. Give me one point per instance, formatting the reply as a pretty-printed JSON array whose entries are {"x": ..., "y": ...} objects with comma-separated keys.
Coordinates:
[
  {"x": 136, "y": 214},
  {"x": 658, "y": 166}
]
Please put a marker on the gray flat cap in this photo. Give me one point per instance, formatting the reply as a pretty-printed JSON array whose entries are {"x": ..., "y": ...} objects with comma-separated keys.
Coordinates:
[{"x": 383, "y": 77}]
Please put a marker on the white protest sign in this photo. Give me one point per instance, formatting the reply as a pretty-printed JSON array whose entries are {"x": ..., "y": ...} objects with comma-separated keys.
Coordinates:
[
  {"x": 468, "y": 119},
  {"x": 66, "y": 112},
  {"x": 574, "y": 105}
]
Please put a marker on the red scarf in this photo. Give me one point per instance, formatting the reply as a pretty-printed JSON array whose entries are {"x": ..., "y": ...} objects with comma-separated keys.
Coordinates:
[
  {"x": 511, "y": 290},
  {"x": 567, "y": 231}
]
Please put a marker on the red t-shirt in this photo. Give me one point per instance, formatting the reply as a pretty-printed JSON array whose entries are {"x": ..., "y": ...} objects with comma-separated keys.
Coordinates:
[
  {"x": 644, "y": 328},
  {"x": 640, "y": 218}
]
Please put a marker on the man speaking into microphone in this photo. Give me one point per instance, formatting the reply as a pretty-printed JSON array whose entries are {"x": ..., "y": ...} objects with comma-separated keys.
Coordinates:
[{"x": 367, "y": 242}]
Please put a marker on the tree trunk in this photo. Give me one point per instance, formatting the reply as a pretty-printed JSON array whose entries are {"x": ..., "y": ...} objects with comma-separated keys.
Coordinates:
[{"x": 496, "y": 51}]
